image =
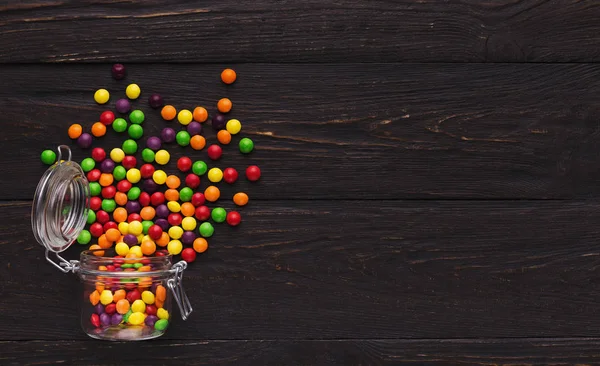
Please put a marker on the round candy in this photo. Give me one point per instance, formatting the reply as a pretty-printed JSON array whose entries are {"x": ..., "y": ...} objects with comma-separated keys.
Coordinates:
[
  {"x": 228, "y": 76},
  {"x": 162, "y": 157},
  {"x": 136, "y": 117},
  {"x": 119, "y": 173},
  {"x": 230, "y": 175},
  {"x": 183, "y": 138},
  {"x": 174, "y": 206},
  {"x": 118, "y": 71},
  {"x": 85, "y": 140},
  {"x": 197, "y": 199},
  {"x": 132, "y": 91},
  {"x": 253, "y": 173},
  {"x": 138, "y": 306},
  {"x": 95, "y": 204},
  {"x": 153, "y": 143},
  {"x": 123, "y": 105},
  {"x": 151, "y": 320},
  {"x": 218, "y": 122},
  {"x": 173, "y": 182},
  {"x": 188, "y": 255},
  {"x": 106, "y": 179},
  {"x": 240, "y": 199},
  {"x": 234, "y": 218},
  {"x": 224, "y": 137},
  {"x": 246, "y": 145},
  {"x": 135, "y": 228},
  {"x": 214, "y": 152},
  {"x": 129, "y": 147},
  {"x": 95, "y": 188},
  {"x": 188, "y": 223},
  {"x": 91, "y": 217},
  {"x": 157, "y": 198},
  {"x": 185, "y": 194},
  {"x": 48, "y": 157},
  {"x": 212, "y": 193},
  {"x": 215, "y": 175},
  {"x": 123, "y": 186},
  {"x": 194, "y": 128},
  {"x": 218, "y": 214},
  {"x": 159, "y": 177},
  {"x": 134, "y": 193},
  {"x": 133, "y": 207},
  {"x": 129, "y": 162},
  {"x": 199, "y": 167},
  {"x": 101, "y": 96},
  {"x": 161, "y": 324},
  {"x": 148, "y": 247},
  {"x": 75, "y": 131},
  {"x": 109, "y": 192},
  {"x": 84, "y": 237},
  {"x": 109, "y": 205},
  {"x": 200, "y": 245},
  {"x": 200, "y": 114},
  {"x": 130, "y": 238},
  {"x": 192, "y": 181},
  {"x": 87, "y": 164},
  {"x": 148, "y": 155},
  {"x": 147, "y": 170},
  {"x": 106, "y": 297},
  {"x": 197, "y": 142},
  {"x": 102, "y": 217},
  {"x": 98, "y": 154},
  {"x": 119, "y": 125},
  {"x": 174, "y": 247},
  {"x": 117, "y": 155},
  {"x": 155, "y": 101},
  {"x": 184, "y": 117},
  {"x": 96, "y": 229},
  {"x": 105, "y": 319},
  {"x": 224, "y": 105},
  {"x": 175, "y": 232},
  {"x": 116, "y": 319},
  {"x": 233, "y": 126},
  {"x": 168, "y": 112},
  {"x": 107, "y": 117},
  {"x": 188, "y": 238},
  {"x": 136, "y": 318},
  {"x": 202, "y": 213},
  {"x": 94, "y": 175},
  {"x": 167, "y": 134},
  {"x": 155, "y": 232},
  {"x": 184, "y": 164},
  {"x": 174, "y": 219},
  {"x": 133, "y": 175},
  {"x": 95, "y": 320},
  {"x": 98, "y": 129},
  {"x": 206, "y": 230}
]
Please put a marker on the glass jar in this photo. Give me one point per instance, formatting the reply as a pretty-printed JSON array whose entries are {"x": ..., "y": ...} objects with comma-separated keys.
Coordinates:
[{"x": 123, "y": 298}]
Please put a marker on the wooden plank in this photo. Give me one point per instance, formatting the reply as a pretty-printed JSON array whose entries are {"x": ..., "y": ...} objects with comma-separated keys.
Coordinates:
[
  {"x": 343, "y": 131},
  {"x": 525, "y": 351},
  {"x": 306, "y": 31},
  {"x": 347, "y": 269}
]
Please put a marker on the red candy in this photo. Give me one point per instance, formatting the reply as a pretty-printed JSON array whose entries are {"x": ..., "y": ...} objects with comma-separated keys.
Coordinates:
[
  {"x": 184, "y": 164},
  {"x": 198, "y": 199},
  {"x": 95, "y": 320},
  {"x": 110, "y": 225},
  {"x": 214, "y": 152},
  {"x": 157, "y": 198},
  {"x": 129, "y": 162},
  {"x": 110, "y": 308},
  {"x": 188, "y": 255},
  {"x": 192, "y": 181},
  {"x": 107, "y": 117},
  {"x": 133, "y": 295},
  {"x": 161, "y": 253},
  {"x": 110, "y": 268},
  {"x": 98, "y": 154},
  {"x": 151, "y": 309},
  {"x": 155, "y": 232},
  {"x": 253, "y": 173},
  {"x": 134, "y": 217},
  {"x": 109, "y": 191},
  {"x": 230, "y": 175},
  {"x": 94, "y": 175},
  {"x": 96, "y": 229},
  {"x": 144, "y": 199},
  {"x": 124, "y": 186},
  {"x": 174, "y": 219},
  {"x": 95, "y": 203},
  {"x": 146, "y": 171},
  {"x": 234, "y": 218},
  {"x": 102, "y": 217},
  {"x": 202, "y": 213}
]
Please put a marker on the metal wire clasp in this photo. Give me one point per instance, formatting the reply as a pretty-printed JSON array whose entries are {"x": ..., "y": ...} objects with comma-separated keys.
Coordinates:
[
  {"x": 63, "y": 265},
  {"x": 176, "y": 285}
]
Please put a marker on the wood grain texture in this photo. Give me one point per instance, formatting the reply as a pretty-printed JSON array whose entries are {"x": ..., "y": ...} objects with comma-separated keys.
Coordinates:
[
  {"x": 524, "y": 351},
  {"x": 300, "y": 31},
  {"x": 356, "y": 269},
  {"x": 343, "y": 131}
]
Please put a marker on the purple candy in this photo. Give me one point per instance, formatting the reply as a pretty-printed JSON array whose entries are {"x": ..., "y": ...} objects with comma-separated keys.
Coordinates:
[
  {"x": 153, "y": 143},
  {"x": 218, "y": 121},
  {"x": 118, "y": 71},
  {"x": 150, "y": 320},
  {"x": 163, "y": 223},
  {"x": 168, "y": 134},
  {"x": 105, "y": 319},
  {"x": 116, "y": 319},
  {"x": 115, "y": 288},
  {"x": 155, "y": 101},
  {"x": 118, "y": 269},
  {"x": 194, "y": 128},
  {"x": 107, "y": 166},
  {"x": 150, "y": 186},
  {"x": 130, "y": 239},
  {"x": 99, "y": 308},
  {"x": 85, "y": 140},
  {"x": 154, "y": 287},
  {"x": 188, "y": 238},
  {"x": 162, "y": 211},
  {"x": 123, "y": 105},
  {"x": 133, "y": 207}
]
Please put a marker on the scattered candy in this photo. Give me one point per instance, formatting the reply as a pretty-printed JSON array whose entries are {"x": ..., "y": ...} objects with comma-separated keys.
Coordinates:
[
  {"x": 233, "y": 126},
  {"x": 240, "y": 199},
  {"x": 101, "y": 96},
  {"x": 48, "y": 157},
  {"x": 224, "y": 105},
  {"x": 168, "y": 113},
  {"x": 118, "y": 71},
  {"x": 119, "y": 125},
  {"x": 246, "y": 145},
  {"x": 132, "y": 91},
  {"x": 98, "y": 129},
  {"x": 75, "y": 131},
  {"x": 123, "y": 105},
  {"x": 228, "y": 76},
  {"x": 85, "y": 140},
  {"x": 253, "y": 173},
  {"x": 155, "y": 101}
]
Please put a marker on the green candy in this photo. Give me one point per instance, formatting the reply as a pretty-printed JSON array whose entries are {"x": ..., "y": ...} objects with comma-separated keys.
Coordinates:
[
  {"x": 218, "y": 214},
  {"x": 134, "y": 193},
  {"x": 119, "y": 125},
  {"x": 146, "y": 225},
  {"x": 136, "y": 116},
  {"x": 137, "y": 265},
  {"x": 246, "y": 145},
  {"x": 109, "y": 205},
  {"x": 183, "y": 138},
  {"x": 185, "y": 195},
  {"x": 148, "y": 155},
  {"x": 127, "y": 314},
  {"x": 48, "y": 157},
  {"x": 88, "y": 164},
  {"x": 161, "y": 324},
  {"x": 95, "y": 188},
  {"x": 135, "y": 131},
  {"x": 127, "y": 265},
  {"x": 91, "y": 217},
  {"x": 129, "y": 147},
  {"x": 84, "y": 237},
  {"x": 199, "y": 167},
  {"x": 206, "y": 229},
  {"x": 119, "y": 173}
]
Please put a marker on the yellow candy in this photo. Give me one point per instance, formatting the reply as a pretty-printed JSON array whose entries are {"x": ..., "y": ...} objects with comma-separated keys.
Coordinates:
[
  {"x": 175, "y": 232},
  {"x": 135, "y": 228},
  {"x": 174, "y": 247},
  {"x": 162, "y": 157},
  {"x": 162, "y": 313},
  {"x": 134, "y": 175},
  {"x": 106, "y": 297},
  {"x": 185, "y": 117},
  {"x": 101, "y": 96},
  {"x": 137, "y": 251},
  {"x": 188, "y": 223},
  {"x": 148, "y": 297},
  {"x": 136, "y": 318},
  {"x": 133, "y": 91},
  {"x": 122, "y": 249},
  {"x": 117, "y": 155},
  {"x": 233, "y": 126},
  {"x": 173, "y": 206},
  {"x": 159, "y": 177},
  {"x": 124, "y": 228},
  {"x": 215, "y": 175},
  {"x": 138, "y": 306}
]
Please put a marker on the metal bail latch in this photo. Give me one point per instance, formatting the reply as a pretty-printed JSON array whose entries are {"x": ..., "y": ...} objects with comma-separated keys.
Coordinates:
[
  {"x": 63, "y": 265},
  {"x": 176, "y": 285}
]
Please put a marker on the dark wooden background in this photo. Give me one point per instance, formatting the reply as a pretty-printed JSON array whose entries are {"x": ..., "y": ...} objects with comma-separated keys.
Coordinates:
[{"x": 430, "y": 177}]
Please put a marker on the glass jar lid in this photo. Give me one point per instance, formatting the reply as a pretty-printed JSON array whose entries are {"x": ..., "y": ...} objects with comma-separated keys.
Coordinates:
[{"x": 61, "y": 204}]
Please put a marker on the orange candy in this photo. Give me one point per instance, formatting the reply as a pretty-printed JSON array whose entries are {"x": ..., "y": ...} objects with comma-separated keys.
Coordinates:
[
  {"x": 99, "y": 287},
  {"x": 96, "y": 252},
  {"x": 103, "y": 242},
  {"x": 172, "y": 194},
  {"x": 164, "y": 240},
  {"x": 224, "y": 137},
  {"x": 131, "y": 258},
  {"x": 168, "y": 112},
  {"x": 121, "y": 198},
  {"x": 95, "y": 298},
  {"x": 240, "y": 199},
  {"x": 75, "y": 131},
  {"x": 187, "y": 209},
  {"x": 119, "y": 295},
  {"x": 113, "y": 234},
  {"x": 145, "y": 268},
  {"x": 228, "y": 76},
  {"x": 212, "y": 193},
  {"x": 122, "y": 306},
  {"x": 98, "y": 129},
  {"x": 173, "y": 181},
  {"x": 120, "y": 213},
  {"x": 200, "y": 114},
  {"x": 200, "y": 245},
  {"x": 106, "y": 179},
  {"x": 197, "y": 142},
  {"x": 224, "y": 105},
  {"x": 148, "y": 213},
  {"x": 148, "y": 247},
  {"x": 161, "y": 293}
]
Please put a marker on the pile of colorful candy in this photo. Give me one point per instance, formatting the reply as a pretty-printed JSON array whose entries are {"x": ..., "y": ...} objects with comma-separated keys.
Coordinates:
[{"x": 137, "y": 207}]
